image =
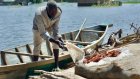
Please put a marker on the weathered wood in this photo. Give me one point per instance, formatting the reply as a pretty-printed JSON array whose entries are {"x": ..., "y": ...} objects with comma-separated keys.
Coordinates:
[
  {"x": 41, "y": 54},
  {"x": 19, "y": 71},
  {"x": 19, "y": 56},
  {"x": 29, "y": 51},
  {"x": 32, "y": 64},
  {"x": 64, "y": 36},
  {"x": 93, "y": 31},
  {"x": 24, "y": 54},
  {"x": 80, "y": 29},
  {"x": 14, "y": 67},
  {"x": 97, "y": 42},
  {"x": 71, "y": 36},
  {"x": 28, "y": 48},
  {"x": 3, "y": 58},
  {"x": 79, "y": 42},
  {"x": 80, "y": 36},
  {"x": 16, "y": 49}
]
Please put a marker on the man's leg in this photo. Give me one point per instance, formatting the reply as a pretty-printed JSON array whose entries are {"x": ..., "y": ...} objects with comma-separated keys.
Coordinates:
[
  {"x": 37, "y": 45},
  {"x": 35, "y": 58},
  {"x": 56, "y": 55}
]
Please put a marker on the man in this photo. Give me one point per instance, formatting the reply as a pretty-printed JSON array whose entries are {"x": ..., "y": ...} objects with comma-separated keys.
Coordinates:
[{"x": 45, "y": 25}]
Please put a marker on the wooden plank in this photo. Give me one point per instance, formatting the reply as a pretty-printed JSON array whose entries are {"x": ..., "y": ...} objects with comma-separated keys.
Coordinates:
[
  {"x": 79, "y": 42},
  {"x": 25, "y": 54},
  {"x": 80, "y": 29},
  {"x": 20, "y": 70},
  {"x": 19, "y": 56},
  {"x": 28, "y": 48},
  {"x": 41, "y": 54},
  {"x": 32, "y": 64},
  {"x": 29, "y": 51},
  {"x": 95, "y": 43},
  {"x": 3, "y": 58},
  {"x": 71, "y": 36},
  {"x": 16, "y": 49},
  {"x": 93, "y": 31},
  {"x": 64, "y": 36},
  {"x": 80, "y": 36}
]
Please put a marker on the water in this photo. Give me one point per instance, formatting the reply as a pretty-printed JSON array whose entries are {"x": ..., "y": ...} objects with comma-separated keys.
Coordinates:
[{"x": 16, "y": 21}]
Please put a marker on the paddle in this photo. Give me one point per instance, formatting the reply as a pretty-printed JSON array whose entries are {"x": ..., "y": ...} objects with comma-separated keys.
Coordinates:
[
  {"x": 75, "y": 52},
  {"x": 80, "y": 29}
]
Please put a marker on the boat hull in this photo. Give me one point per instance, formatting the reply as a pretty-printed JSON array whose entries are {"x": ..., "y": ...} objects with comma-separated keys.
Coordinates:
[
  {"x": 22, "y": 64},
  {"x": 22, "y": 71}
]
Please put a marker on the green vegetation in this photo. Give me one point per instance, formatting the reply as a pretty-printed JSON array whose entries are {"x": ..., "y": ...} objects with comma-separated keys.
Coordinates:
[
  {"x": 130, "y": 1},
  {"x": 36, "y": 1}
]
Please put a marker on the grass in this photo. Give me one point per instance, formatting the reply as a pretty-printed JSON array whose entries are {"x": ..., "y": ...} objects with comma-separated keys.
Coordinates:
[
  {"x": 131, "y": 2},
  {"x": 105, "y": 6}
]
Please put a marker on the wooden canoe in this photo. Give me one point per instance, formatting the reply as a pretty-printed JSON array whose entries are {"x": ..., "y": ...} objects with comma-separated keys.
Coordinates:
[
  {"x": 16, "y": 63},
  {"x": 89, "y": 38}
]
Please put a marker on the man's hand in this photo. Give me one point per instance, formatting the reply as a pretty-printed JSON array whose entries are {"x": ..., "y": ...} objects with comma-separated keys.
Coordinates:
[
  {"x": 56, "y": 42},
  {"x": 59, "y": 43},
  {"x": 64, "y": 48},
  {"x": 60, "y": 39}
]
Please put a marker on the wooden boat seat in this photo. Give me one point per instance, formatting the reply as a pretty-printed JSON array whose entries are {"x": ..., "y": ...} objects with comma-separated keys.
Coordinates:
[
  {"x": 93, "y": 31},
  {"x": 79, "y": 42}
]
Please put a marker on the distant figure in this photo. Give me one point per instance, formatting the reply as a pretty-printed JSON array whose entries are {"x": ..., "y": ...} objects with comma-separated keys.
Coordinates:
[{"x": 45, "y": 25}]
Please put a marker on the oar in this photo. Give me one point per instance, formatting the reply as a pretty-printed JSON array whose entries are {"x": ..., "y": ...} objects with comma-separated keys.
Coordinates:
[
  {"x": 75, "y": 52},
  {"x": 80, "y": 29}
]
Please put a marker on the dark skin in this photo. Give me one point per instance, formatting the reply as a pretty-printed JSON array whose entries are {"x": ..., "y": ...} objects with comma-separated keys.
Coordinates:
[{"x": 51, "y": 12}]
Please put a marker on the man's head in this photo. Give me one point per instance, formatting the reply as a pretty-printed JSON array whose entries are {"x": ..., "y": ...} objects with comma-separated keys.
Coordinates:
[{"x": 51, "y": 8}]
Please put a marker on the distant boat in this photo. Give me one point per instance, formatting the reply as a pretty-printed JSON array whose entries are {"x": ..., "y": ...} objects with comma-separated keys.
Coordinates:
[{"x": 16, "y": 63}]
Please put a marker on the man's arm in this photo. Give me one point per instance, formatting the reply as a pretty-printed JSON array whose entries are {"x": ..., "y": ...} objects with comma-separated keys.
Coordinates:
[
  {"x": 40, "y": 27},
  {"x": 56, "y": 36},
  {"x": 55, "y": 29}
]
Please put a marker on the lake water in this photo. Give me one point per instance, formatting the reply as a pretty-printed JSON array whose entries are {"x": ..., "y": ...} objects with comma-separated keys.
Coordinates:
[{"x": 16, "y": 21}]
